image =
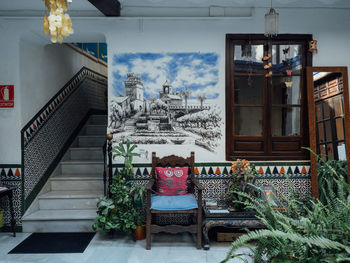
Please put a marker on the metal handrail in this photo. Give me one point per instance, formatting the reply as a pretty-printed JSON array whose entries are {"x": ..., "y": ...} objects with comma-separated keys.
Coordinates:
[
  {"x": 104, "y": 150},
  {"x": 107, "y": 160}
]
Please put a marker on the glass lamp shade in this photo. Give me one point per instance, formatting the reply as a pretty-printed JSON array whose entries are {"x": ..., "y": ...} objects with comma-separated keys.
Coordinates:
[{"x": 271, "y": 23}]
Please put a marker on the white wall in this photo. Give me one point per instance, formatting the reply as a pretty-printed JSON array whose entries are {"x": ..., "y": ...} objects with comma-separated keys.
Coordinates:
[
  {"x": 10, "y": 121},
  {"x": 44, "y": 70},
  {"x": 329, "y": 26}
]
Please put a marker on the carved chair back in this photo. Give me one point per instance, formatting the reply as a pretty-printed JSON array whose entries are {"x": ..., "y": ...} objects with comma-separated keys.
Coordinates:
[{"x": 173, "y": 161}]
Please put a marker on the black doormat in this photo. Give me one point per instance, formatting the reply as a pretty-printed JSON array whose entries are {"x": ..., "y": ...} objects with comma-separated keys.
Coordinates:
[{"x": 40, "y": 243}]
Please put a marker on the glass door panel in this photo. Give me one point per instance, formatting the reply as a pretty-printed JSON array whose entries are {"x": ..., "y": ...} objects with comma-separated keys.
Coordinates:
[{"x": 248, "y": 121}]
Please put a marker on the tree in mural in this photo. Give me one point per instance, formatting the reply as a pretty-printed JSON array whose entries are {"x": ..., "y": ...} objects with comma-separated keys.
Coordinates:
[
  {"x": 160, "y": 106},
  {"x": 201, "y": 99},
  {"x": 186, "y": 95},
  {"x": 116, "y": 114},
  {"x": 202, "y": 119},
  {"x": 152, "y": 103},
  {"x": 205, "y": 123}
]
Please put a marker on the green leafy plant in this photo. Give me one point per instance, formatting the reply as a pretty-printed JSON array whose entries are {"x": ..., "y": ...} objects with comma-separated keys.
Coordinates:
[
  {"x": 128, "y": 155},
  {"x": 243, "y": 173},
  {"x": 120, "y": 211},
  {"x": 138, "y": 193},
  {"x": 313, "y": 231}
]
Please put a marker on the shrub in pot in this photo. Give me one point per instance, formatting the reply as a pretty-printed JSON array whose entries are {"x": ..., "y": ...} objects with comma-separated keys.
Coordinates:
[
  {"x": 118, "y": 212},
  {"x": 243, "y": 174}
]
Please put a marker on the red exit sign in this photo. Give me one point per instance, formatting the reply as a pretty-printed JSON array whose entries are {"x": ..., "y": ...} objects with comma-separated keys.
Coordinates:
[{"x": 7, "y": 95}]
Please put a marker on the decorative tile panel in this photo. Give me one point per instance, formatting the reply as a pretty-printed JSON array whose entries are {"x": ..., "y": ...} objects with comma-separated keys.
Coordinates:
[
  {"x": 8, "y": 173},
  {"x": 11, "y": 175},
  {"x": 215, "y": 176}
]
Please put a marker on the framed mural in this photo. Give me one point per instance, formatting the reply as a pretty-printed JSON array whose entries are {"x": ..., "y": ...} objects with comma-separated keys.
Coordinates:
[{"x": 159, "y": 100}]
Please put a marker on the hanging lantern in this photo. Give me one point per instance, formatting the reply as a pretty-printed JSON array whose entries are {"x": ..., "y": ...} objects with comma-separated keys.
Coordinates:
[{"x": 271, "y": 23}]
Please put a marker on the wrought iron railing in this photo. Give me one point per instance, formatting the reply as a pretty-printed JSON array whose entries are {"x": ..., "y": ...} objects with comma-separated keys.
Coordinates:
[{"x": 107, "y": 165}]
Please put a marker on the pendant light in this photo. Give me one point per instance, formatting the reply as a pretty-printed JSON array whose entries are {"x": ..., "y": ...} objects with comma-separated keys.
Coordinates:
[{"x": 271, "y": 23}]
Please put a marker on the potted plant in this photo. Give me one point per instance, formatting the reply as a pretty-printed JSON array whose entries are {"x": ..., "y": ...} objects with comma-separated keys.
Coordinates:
[
  {"x": 243, "y": 174},
  {"x": 118, "y": 212}
]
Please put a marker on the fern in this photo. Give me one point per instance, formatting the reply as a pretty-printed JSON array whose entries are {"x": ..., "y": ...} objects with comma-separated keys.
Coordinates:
[{"x": 313, "y": 231}]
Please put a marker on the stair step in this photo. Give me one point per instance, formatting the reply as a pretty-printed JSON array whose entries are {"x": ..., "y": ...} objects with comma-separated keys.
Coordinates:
[
  {"x": 77, "y": 184},
  {"x": 91, "y": 140},
  {"x": 68, "y": 200},
  {"x": 59, "y": 221},
  {"x": 82, "y": 167},
  {"x": 86, "y": 153},
  {"x": 98, "y": 119},
  {"x": 94, "y": 129},
  {"x": 81, "y": 177},
  {"x": 70, "y": 194},
  {"x": 77, "y": 214}
]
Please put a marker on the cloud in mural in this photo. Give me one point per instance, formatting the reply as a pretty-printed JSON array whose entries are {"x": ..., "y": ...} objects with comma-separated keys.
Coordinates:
[{"x": 195, "y": 71}]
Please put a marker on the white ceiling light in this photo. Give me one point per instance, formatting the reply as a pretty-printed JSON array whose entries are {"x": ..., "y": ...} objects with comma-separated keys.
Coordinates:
[{"x": 271, "y": 23}]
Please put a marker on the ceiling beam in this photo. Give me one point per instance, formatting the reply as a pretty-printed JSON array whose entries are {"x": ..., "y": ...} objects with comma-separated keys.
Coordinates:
[{"x": 107, "y": 7}]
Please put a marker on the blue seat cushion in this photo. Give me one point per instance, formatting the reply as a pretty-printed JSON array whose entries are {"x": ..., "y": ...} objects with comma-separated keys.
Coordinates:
[{"x": 177, "y": 202}]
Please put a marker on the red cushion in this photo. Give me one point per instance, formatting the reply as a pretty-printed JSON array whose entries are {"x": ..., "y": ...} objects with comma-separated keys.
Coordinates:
[{"x": 171, "y": 181}]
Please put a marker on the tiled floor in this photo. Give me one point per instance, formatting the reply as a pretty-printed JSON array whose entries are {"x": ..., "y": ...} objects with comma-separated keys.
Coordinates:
[{"x": 121, "y": 248}]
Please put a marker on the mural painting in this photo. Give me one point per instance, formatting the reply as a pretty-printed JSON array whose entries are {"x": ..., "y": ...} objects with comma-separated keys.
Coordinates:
[{"x": 162, "y": 99}]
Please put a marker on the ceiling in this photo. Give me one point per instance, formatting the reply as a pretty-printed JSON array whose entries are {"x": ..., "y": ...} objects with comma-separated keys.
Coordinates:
[{"x": 160, "y": 7}]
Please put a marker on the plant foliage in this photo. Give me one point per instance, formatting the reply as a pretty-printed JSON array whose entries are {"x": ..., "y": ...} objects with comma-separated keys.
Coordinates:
[
  {"x": 313, "y": 231},
  {"x": 243, "y": 173},
  {"x": 122, "y": 210}
]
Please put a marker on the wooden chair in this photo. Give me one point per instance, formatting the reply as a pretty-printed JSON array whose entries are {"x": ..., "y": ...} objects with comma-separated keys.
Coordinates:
[{"x": 195, "y": 228}]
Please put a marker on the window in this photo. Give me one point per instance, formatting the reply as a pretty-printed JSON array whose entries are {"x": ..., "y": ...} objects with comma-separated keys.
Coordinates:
[
  {"x": 266, "y": 112},
  {"x": 330, "y": 128}
]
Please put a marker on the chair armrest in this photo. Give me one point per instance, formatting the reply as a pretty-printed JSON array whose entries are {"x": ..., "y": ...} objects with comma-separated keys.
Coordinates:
[
  {"x": 197, "y": 184},
  {"x": 150, "y": 184}
]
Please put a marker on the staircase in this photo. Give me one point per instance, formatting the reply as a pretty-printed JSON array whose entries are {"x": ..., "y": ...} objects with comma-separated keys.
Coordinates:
[{"x": 67, "y": 202}]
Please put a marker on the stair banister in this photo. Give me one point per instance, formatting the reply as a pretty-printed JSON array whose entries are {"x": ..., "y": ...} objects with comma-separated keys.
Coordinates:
[
  {"x": 104, "y": 151},
  {"x": 109, "y": 138}
]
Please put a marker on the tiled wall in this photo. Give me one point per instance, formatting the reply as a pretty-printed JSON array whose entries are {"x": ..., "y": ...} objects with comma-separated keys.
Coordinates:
[
  {"x": 11, "y": 175},
  {"x": 214, "y": 176}
]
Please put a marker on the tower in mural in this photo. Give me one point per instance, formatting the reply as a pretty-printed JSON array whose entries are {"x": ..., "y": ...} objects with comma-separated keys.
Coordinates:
[
  {"x": 168, "y": 96},
  {"x": 134, "y": 90}
]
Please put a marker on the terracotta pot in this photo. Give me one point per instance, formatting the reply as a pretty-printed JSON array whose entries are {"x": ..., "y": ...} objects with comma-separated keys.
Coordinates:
[{"x": 140, "y": 232}]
